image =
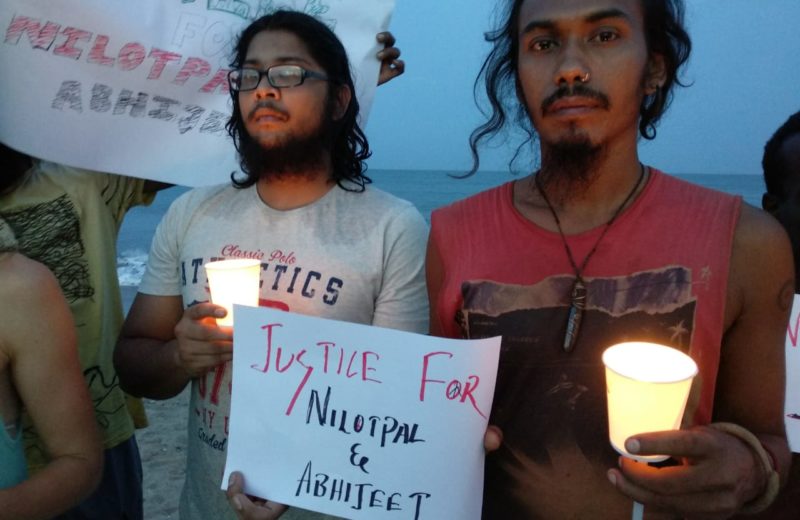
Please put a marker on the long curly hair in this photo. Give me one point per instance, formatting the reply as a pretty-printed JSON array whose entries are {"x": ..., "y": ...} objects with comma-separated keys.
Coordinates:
[
  {"x": 664, "y": 34},
  {"x": 349, "y": 146}
]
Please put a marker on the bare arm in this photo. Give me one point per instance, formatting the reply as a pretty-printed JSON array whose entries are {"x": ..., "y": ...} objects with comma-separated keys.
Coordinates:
[
  {"x": 162, "y": 347},
  {"x": 751, "y": 382},
  {"x": 38, "y": 338},
  {"x": 720, "y": 473}
]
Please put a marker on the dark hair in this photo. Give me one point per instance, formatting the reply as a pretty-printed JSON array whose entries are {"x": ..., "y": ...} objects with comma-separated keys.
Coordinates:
[
  {"x": 349, "y": 144},
  {"x": 664, "y": 34},
  {"x": 774, "y": 168},
  {"x": 15, "y": 165}
]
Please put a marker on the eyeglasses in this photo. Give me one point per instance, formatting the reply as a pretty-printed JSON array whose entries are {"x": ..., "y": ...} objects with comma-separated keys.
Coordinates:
[{"x": 278, "y": 76}]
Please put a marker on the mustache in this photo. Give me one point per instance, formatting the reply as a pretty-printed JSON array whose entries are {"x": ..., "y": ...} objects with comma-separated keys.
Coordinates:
[
  {"x": 578, "y": 89},
  {"x": 269, "y": 105}
]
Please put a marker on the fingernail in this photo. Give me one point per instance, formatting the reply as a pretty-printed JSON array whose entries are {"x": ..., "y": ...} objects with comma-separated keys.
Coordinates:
[
  {"x": 612, "y": 478},
  {"x": 220, "y": 313},
  {"x": 632, "y": 445},
  {"x": 237, "y": 504}
]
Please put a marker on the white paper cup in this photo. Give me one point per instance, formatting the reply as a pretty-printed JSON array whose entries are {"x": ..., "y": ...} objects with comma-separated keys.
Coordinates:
[
  {"x": 647, "y": 387},
  {"x": 233, "y": 281}
]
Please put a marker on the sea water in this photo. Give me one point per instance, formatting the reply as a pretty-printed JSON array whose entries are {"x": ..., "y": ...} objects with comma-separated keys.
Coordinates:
[{"x": 426, "y": 189}]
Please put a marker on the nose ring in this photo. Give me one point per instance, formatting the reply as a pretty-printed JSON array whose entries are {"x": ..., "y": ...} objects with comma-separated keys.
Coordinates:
[{"x": 584, "y": 78}]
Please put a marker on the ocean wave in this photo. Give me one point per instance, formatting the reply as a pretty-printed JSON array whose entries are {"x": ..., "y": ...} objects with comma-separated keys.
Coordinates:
[{"x": 130, "y": 267}]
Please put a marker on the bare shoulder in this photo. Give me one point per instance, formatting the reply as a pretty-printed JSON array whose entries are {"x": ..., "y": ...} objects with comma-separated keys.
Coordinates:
[
  {"x": 29, "y": 295},
  {"x": 759, "y": 240},
  {"x": 24, "y": 281},
  {"x": 758, "y": 225},
  {"x": 761, "y": 261}
]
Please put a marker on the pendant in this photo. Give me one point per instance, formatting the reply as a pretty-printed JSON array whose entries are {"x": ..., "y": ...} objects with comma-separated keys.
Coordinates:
[{"x": 576, "y": 307}]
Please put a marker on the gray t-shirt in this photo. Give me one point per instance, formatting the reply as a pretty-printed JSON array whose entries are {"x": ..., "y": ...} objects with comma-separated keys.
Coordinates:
[{"x": 356, "y": 257}]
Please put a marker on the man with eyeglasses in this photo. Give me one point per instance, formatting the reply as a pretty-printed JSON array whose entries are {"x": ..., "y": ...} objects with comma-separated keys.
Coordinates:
[{"x": 329, "y": 245}]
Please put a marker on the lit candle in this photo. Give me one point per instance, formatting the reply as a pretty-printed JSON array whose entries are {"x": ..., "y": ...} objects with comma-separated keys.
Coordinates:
[
  {"x": 647, "y": 388},
  {"x": 233, "y": 281}
]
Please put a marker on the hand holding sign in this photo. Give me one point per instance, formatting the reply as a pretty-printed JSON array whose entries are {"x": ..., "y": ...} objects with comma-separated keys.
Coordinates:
[
  {"x": 128, "y": 77},
  {"x": 391, "y": 65},
  {"x": 343, "y": 414},
  {"x": 250, "y": 508}
]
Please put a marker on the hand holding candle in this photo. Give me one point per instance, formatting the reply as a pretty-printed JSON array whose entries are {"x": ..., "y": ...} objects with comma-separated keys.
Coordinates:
[
  {"x": 233, "y": 281},
  {"x": 647, "y": 388}
]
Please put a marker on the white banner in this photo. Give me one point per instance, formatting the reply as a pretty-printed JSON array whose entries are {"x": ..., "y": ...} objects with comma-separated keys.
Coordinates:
[
  {"x": 792, "y": 407},
  {"x": 139, "y": 88},
  {"x": 358, "y": 421}
]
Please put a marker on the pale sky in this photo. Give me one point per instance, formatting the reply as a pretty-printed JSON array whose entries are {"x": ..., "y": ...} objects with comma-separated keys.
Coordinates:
[{"x": 744, "y": 70}]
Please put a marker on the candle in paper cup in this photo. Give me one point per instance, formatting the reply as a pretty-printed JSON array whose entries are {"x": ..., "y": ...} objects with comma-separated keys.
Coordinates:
[
  {"x": 647, "y": 387},
  {"x": 233, "y": 281}
]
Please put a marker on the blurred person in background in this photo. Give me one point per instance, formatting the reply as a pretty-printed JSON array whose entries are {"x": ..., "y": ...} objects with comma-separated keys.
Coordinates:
[{"x": 781, "y": 165}]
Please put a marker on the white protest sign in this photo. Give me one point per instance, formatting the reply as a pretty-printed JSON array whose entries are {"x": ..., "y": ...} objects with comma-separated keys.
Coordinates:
[
  {"x": 140, "y": 88},
  {"x": 358, "y": 421},
  {"x": 792, "y": 406}
]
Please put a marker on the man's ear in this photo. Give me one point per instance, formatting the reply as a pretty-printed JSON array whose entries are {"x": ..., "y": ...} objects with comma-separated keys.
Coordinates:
[
  {"x": 656, "y": 74},
  {"x": 770, "y": 203},
  {"x": 343, "y": 98}
]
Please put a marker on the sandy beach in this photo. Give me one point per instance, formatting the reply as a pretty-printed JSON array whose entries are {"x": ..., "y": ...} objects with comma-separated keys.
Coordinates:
[{"x": 162, "y": 446}]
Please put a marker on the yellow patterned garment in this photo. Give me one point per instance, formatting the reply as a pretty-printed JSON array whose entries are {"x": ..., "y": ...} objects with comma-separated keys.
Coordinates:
[{"x": 68, "y": 219}]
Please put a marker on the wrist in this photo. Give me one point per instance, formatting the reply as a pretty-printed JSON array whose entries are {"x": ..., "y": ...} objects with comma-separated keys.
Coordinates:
[
  {"x": 177, "y": 361},
  {"x": 764, "y": 463}
]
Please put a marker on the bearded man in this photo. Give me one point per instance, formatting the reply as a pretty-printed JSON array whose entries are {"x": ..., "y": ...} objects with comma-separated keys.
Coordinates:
[
  {"x": 596, "y": 248},
  {"x": 330, "y": 246}
]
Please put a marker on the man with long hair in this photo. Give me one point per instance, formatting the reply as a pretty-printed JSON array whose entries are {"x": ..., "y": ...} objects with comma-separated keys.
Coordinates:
[
  {"x": 329, "y": 245},
  {"x": 593, "y": 249}
]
